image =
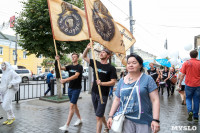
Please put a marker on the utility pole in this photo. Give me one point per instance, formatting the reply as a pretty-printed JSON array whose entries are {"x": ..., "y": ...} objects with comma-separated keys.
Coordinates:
[
  {"x": 16, "y": 50},
  {"x": 9, "y": 49},
  {"x": 165, "y": 46},
  {"x": 132, "y": 22}
]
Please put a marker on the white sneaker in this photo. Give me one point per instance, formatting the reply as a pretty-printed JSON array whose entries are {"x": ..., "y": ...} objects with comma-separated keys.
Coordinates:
[
  {"x": 78, "y": 122},
  {"x": 64, "y": 128}
]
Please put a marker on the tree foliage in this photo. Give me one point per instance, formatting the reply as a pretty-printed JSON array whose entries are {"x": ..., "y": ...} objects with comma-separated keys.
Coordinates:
[
  {"x": 113, "y": 64},
  {"x": 49, "y": 62},
  {"x": 33, "y": 26}
]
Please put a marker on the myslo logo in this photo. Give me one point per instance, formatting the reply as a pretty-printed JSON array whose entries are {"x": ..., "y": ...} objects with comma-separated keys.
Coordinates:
[{"x": 184, "y": 128}]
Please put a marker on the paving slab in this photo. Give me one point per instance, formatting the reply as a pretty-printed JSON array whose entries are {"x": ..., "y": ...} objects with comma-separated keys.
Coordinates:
[{"x": 36, "y": 116}]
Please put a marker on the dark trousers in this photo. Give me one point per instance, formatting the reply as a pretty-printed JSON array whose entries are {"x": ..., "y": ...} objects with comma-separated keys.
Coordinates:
[
  {"x": 111, "y": 91},
  {"x": 168, "y": 87},
  {"x": 49, "y": 88},
  {"x": 172, "y": 89}
]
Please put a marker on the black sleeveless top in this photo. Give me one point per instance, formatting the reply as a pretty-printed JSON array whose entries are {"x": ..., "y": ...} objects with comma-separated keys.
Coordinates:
[
  {"x": 165, "y": 75},
  {"x": 153, "y": 74}
]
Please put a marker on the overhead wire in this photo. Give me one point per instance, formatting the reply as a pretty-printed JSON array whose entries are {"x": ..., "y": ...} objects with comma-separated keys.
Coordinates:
[
  {"x": 148, "y": 47},
  {"x": 177, "y": 26},
  {"x": 150, "y": 33},
  {"x": 118, "y": 8},
  {"x": 172, "y": 26},
  {"x": 128, "y": 16}
]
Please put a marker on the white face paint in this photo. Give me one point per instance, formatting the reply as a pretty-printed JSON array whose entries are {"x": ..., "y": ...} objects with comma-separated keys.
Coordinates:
[{"x": 3, "y": 66}]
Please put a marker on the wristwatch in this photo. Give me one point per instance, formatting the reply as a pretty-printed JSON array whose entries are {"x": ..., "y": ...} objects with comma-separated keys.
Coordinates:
[{"x": 156, "y": 120}]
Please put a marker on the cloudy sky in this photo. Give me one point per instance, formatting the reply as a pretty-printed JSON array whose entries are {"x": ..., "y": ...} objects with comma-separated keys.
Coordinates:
[
  {"x": 177, "y": 21},
  {"x": 156, "y": 20}
]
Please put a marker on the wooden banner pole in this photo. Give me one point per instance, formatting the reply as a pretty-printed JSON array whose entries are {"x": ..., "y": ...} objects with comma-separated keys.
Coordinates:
[
  {"x": 93, "y": 55},
  {"x": 57, "y": 60}
]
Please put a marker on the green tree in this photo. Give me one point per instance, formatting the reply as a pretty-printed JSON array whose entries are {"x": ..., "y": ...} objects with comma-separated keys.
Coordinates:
[
  {"x": 65, "y": 61},
  {"x": 113, "y": 64},
  {"x": 80, "y": 61},
  {"x": 49, "y": 62},
  {"x": 33, "y": 26}
]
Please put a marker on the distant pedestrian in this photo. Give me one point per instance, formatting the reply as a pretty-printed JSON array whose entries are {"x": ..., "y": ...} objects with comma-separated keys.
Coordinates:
[
  {"x": 122, "y": 74},
  {"x": 10, "y": 81},
  {"x": 182, "y": 90},
  {"x": 159, "y": 79},
  {"x": 143, "y": 110},
  {"x": 154, "y": 73},
  {"x": 165, "y": 75},
  {"x": 107, "y": 77},
  {"x": 48, "y": 81},
  {"x": 191, "y": 69},
  {"x": 75, "y": 78},
  {"x": 1, "y": 117},
  {"x": 172, "y": 84},
  {"x": 111, "y": 92}
]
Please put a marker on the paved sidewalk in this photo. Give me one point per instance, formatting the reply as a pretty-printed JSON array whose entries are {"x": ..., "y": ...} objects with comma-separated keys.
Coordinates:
[{"x": 36, "y": 116}]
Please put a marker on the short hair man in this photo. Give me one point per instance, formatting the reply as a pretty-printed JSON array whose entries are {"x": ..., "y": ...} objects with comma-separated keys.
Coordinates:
[
  {"x": 75, "y": 78},
  {"x": 48, "y": 80},
  {"x": 191, "y": 69},
  {"x": 107, "y": 77}
]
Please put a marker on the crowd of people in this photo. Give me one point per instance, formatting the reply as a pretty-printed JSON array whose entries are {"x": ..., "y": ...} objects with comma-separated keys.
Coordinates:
[
  {"x": 186, "y": 80},
  {"x": 164, "y": 78},
  {"x": 143, "y": 107}
]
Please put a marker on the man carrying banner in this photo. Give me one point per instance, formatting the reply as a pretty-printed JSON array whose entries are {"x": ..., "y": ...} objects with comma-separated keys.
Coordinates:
[
  {"x": 107, "y": 77},
  {"x": 74, "y": 89}
]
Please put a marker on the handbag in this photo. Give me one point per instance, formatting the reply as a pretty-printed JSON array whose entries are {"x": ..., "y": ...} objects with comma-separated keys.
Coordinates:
[
  {"x": 118, "y": 120},
  {"x": 173, "y": 80}
]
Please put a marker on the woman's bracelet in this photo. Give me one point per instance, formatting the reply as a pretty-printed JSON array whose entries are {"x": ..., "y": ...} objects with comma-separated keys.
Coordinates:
[
  {"x": 110, "y": 116},
  {"x": 156, "y": 120}
]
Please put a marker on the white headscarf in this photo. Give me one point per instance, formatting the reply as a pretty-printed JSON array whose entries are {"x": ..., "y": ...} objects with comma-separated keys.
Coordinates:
[
  {"x": 8, "y": 67},
  {"x": 9, "y": 76}
]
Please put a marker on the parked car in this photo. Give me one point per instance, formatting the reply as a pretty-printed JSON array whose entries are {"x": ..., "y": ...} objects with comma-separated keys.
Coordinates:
[
  {"x": 25, "y": 74},
  {"x": 64, "y": 75},
  {"x": 41, "y": 76}
]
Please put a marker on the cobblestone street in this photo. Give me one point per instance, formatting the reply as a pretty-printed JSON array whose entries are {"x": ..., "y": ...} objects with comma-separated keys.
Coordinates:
[{"x": 36, "y": 116}]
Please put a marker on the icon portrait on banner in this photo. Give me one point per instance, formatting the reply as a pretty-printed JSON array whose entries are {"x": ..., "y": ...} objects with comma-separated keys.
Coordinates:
[
  {"x": 69, "y": 21},
  {"x": 103, "y": 23}
]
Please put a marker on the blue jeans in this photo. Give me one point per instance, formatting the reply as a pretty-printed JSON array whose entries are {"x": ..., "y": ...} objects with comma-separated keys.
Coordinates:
[
  {"x": 73, "y": 95},
  {"x": 192, "y": 93},
  {"x": 49, "y": 89},
  {"x": 111, "y": 91}
]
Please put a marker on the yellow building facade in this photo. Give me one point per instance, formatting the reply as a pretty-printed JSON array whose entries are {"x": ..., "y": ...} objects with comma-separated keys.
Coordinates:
[{"x": 7, "y": 53}]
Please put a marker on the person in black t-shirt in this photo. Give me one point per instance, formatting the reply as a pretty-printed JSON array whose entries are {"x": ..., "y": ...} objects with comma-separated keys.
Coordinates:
[
  {"x": 75, "y": 77},
  {"x": 165, "y": 77},
  {"x": 154, "y": 73},
  {"x": 107, "y": 77}
]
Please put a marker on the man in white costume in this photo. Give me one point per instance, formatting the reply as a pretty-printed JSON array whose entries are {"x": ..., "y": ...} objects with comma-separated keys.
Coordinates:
[{"x": 10, "y": 81}]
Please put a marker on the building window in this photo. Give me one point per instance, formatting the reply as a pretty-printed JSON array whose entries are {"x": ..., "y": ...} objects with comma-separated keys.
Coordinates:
[
  {"x": 24, "y": 54},
  {"x": 1, "y": 50},
  {"x": 14, "y": 53}
]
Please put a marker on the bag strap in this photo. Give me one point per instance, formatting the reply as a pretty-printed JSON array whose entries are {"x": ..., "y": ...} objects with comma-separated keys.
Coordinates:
[{"x": 131, "y": 94}]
